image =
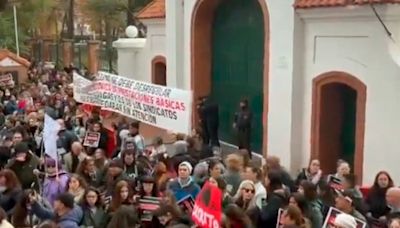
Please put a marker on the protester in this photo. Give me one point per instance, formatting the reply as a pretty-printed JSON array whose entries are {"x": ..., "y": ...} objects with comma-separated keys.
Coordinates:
[
  {"x": 73, "y": 158},
  {"x": 67, "y": 213},
  {"x": 244, "y": 195},
  {"x": 23, "y": 165},
  {"x": 376, "y": 198},
  {"x": 93, "y": 212},
  {"x": 345, "y": 202},
  {"x": 254, "y": 174},
  {"x": 313, "y": 173},
  {"x": 76, "y": 187},
  {"x": 184, "y": 185},
  {"x": 292, "y": 218},
  {"x": 55, "y": 181},
  {"x": 10, "y": 190},
  {"x": 234, "y": 164}
]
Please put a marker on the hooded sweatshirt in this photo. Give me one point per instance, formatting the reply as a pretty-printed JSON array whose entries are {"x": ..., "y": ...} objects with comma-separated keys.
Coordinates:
[{"x": 52, "y": 187}]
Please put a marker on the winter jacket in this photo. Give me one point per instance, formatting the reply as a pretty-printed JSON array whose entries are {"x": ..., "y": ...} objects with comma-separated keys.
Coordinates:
[
  {"x": 65, "y": 140},
  {"x": 376, "y": 201},
  {"x": 24, "y": 171},
  {"x": 98, "y": 219},
  {"x": 52, "y": 188},
  {"x": 233, "y": 180},
  {"x": 9, "y": 199},
  {"x": 269, "y": 212},
  {"x": 68, "y": 161},
  {"x": 316, "y": 217},
  {"x": 305, "y": 175},
  {"x": 71, "y": 219},
  {"x": 182, "y": 190}
]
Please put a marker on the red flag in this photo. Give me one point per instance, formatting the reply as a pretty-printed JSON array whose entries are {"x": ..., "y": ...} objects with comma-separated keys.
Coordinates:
[{"x": 208, "y": 207}]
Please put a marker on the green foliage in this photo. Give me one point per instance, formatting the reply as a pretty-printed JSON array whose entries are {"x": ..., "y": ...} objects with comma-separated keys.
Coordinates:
[
  {"x": 31, "y": 14},
  {"x": 7, "y": 33}
]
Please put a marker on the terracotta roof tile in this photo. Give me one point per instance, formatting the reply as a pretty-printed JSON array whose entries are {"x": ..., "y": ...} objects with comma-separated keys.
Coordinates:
[
  {"x": 155, "y": 9},
  {"x": 319, "y": 3},
  {"x": 361, "y": 2},
  {"x": 305, "y": 4},
  {"x": 4, "y": 53}
]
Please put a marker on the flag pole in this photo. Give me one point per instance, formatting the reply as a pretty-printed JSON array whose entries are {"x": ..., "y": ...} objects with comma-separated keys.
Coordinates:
[{"x": 16, "y": 28}]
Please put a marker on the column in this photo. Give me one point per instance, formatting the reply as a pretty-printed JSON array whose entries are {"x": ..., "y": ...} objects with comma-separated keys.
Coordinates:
[
  {"x": 174, "y": 39},
  {"x": 47, "y": 49},
  {"x": 93, "y": 57},
  {"x": 68, "y": 51}
]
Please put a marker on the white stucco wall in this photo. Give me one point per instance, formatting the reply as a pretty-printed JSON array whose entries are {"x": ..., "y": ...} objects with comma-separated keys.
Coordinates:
[
  {"x": 135, "y": 63},
  {"x": 352, "y": 40},
  {"x": 280, "y": 80}
]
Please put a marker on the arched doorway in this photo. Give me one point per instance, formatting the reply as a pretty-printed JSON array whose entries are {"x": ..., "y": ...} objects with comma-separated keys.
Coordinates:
[
  {"x": 159, "y": 71},
  {"x": 230, "y": 41},
  {"x": 338, "y": 119}
]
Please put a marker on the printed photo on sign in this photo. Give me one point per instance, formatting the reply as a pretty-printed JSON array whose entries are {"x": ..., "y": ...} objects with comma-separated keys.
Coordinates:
[
  {"x": 186, "y": 204},
  {"x": 335, "y": 182},
  {"x": 92, "y": 139},
  {"x": 279, "y": 220},
  {"x": 331, "y": 216}
]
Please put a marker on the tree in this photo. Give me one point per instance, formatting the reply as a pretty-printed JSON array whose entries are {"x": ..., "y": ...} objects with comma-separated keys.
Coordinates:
[{"x": 107, "y": 15}]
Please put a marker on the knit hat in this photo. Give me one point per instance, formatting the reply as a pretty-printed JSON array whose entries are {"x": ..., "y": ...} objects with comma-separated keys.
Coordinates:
[
  {"x": 345, "y": 221},
  {"x": 188, "y": 165},
  {"x": 21, "y": 148},
  {"x": 67, "y": 199},
  {"x": 49, "y": 162},
  {"x": 116, "y": 164}
]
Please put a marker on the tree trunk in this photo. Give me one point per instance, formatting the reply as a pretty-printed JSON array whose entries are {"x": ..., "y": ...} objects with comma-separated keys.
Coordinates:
[
  {"x": 129, "y": 12},
  {"x": 71, "y": 10},
  {"x": 108, "y": 33}
]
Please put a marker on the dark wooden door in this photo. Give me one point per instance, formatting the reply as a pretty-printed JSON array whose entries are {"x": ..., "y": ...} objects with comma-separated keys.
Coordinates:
[{"x": 238, "y": 64}]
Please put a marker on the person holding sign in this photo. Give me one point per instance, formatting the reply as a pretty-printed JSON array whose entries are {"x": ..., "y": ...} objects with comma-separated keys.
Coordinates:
[
  {"x": 345, "y": 202},
  {"x": 345, "y": 221}
]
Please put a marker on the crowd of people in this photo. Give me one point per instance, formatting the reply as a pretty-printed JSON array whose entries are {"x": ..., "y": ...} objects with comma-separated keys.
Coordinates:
[{"x": 103, "y": 186}]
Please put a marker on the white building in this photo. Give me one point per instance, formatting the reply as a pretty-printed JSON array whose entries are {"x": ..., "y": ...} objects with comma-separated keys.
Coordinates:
[{"x": 320, "y": 75}]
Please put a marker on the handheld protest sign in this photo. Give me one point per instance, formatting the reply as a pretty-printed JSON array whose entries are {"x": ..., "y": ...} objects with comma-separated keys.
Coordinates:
[
  {"x": 186, "y": 204},
  {"x": 279, "y": 220},
  {"x": 92, "y": 139},
  {"x": 335, "y": 182},
  {"x": 147, "y": 206},
  {"x": 331, "y": 216},
  {"x": 207, "y": 209}
]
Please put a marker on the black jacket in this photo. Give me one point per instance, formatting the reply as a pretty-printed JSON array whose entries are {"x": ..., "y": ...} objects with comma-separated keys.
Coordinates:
[
  {"x": 269, "y": 213},
  {"x": 9, "y": 199}
]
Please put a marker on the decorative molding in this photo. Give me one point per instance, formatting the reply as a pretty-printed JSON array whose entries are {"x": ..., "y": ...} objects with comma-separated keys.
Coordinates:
[{"x": 353, "y": 13}]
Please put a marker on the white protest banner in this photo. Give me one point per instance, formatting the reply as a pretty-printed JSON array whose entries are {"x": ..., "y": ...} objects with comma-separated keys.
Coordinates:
[
  {"x": 92, "y": 139},
  {"x": 160, "y": 106},
  {"x": 50, "y": 136},
  {"x": 80, "y": 85}
]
